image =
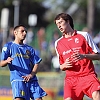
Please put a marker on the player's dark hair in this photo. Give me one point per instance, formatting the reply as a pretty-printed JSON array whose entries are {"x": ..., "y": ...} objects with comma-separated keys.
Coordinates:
[
  {"x": 65, "y": 17},
  {"x": 16, "y": 27}
]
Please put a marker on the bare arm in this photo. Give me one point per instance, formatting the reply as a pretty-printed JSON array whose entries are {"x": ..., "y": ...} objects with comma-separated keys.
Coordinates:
[
  {"x": 34, "y": 71},
  {"x": 92, "y": 56},
  {"x": 77, "y": 56},
  {"x": 3, "y": 63}
]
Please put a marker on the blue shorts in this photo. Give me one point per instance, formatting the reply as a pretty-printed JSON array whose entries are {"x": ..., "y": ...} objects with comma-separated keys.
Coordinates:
[{"x": 27, "y": 90}]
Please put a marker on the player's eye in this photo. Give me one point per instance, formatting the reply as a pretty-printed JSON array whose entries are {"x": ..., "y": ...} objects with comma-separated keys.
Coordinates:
[{"x": 23, "y": 31}]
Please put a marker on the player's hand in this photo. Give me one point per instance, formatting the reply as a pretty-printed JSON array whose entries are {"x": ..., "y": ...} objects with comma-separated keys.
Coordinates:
[
  {"x": 76, "y": 56},
  {"x": 67, "y": 64},
  {"x": 27, "y": 77},
  {"x": 9, "y": 59}
]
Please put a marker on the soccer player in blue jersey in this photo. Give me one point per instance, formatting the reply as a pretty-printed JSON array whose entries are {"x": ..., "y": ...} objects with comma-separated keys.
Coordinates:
[{"x": 23, "y": 65}]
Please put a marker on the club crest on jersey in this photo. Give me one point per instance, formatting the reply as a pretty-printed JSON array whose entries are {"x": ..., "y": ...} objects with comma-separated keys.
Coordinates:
[
  {"x": 76, "y": 40},
  {"x": 28, "y": 52}
]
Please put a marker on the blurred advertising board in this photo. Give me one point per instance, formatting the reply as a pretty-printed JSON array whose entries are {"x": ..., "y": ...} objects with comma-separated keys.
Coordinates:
[{"x": 5, "y": 93}]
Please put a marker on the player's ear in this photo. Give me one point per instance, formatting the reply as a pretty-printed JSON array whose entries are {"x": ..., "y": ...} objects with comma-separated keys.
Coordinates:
[
  {"x": 68, "y": 22},
  {"x": 15, "y": 32}
]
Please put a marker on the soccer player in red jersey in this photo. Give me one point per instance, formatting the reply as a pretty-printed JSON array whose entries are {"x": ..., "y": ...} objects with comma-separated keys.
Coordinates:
[{"x": 76, "y": 50}]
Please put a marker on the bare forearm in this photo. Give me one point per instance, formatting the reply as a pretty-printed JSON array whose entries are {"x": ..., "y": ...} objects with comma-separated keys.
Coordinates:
[
  {"x": 92, "y": 56},
  {"x": 34, "y": 71},
  {"x": 31, "y": 75},
  {"x": 3, "y": 63}
]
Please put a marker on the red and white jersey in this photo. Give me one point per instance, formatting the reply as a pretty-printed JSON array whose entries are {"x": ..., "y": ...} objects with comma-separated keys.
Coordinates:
[{"x": 81, "y": 42}]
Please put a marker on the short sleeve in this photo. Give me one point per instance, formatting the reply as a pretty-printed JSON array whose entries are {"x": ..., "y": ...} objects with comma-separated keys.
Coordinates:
[
  {"x": 35, "y": 58},
  {"x": 5, "y": 52}
]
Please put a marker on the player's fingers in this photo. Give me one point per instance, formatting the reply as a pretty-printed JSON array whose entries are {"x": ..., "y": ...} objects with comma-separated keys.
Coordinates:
[
  {"x": 23, "y": 76},
  {"x": 10, "y": 58},
  {"x": 76, "y": 59},
  {"x": 68, "y": 64},
  {"x": 26, "y": 78}
]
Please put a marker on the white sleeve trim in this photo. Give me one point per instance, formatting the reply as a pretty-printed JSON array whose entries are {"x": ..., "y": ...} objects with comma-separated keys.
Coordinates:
[{"x": 90, "y": 41}]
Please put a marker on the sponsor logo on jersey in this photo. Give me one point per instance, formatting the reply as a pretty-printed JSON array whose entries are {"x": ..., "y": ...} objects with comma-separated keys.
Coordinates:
[
  {"x": 22, "y": 55},
  {"x": 72, "y": 50}
]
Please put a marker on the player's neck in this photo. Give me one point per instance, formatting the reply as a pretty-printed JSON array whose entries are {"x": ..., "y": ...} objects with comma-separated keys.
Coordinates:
[
  {"x": 69, "y": 33},
  {"x": 18, "y": 42}
]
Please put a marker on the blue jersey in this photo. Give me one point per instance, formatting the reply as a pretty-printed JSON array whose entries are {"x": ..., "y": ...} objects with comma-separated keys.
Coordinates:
[{"x": 24, "y": 58}]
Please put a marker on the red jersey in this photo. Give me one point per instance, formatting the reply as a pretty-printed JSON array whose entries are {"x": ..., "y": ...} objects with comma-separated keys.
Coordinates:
[{"x": 81, "y": 42}]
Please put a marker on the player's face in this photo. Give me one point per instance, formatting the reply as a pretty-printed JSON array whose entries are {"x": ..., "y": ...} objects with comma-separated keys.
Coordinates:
[
  {"x": 62, "y": 25},
  {"x": 20, "y": 33}
]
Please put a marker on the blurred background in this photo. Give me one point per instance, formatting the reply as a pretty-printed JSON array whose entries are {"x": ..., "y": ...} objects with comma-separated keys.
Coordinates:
[{"x": 38, "y": 17}]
